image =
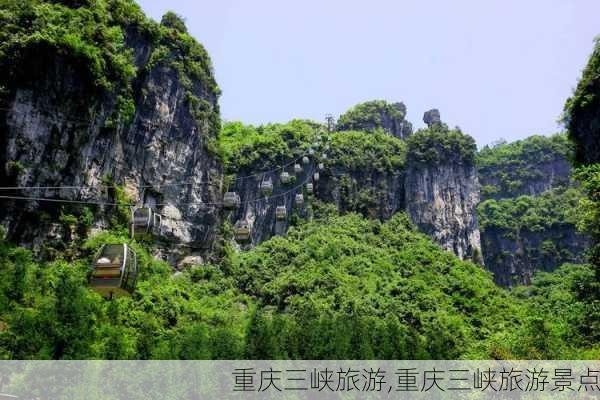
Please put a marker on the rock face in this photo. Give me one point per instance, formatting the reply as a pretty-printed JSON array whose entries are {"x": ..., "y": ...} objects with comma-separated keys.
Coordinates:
[
  {"x": 526, "y": 167},
  {"x": 61, "y": 131},
  {"x": 539, "y": 169},
  {"x": 374, "y": 194},
  {"x": 543, "y": 176},
  {"x": 432, "y": 118},
  {"x": 439, "y": 195},
  {"x": 376, "y": 114},
  {"x": 441, "y": 201},
  {"x": 514, "y": 259},
  {"x": 258, "y": 209}
]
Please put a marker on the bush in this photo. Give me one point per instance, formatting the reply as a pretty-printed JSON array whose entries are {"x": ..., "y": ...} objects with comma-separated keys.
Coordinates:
[{"x": 440, "y": 145}]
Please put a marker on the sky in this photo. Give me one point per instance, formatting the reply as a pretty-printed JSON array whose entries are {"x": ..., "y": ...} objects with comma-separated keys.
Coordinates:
[{"x": 496, "y": 68}]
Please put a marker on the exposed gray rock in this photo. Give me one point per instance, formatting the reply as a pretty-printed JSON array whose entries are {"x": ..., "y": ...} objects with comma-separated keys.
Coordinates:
[
  {"x": 432, "y": 118},
  {"x": 58, "y": 131},
  {"x": 514, "y": 259},
  {"x": 441, "y": 201}
]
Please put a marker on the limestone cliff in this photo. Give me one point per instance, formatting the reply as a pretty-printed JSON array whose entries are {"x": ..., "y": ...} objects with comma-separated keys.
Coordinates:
[
  {"x": 150, "y": 133},
  {"x": 513, "y": 258},
  {"x": 370, "y": 173},
  {"x": 527, "y": 215},
  {"x": 525, "y": 167},
  {"x": 442, "y": 190}
]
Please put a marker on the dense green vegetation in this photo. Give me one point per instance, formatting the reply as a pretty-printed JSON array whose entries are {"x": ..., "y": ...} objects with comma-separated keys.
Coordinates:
[
  {"x": 338, "y": 287},
  {"x": 506, "y": 169},
  {"x": 98, "y": 36},
  {"x": 357, "y": 151},
  {"x": 581, "y": 115},
  {"x": 533, "y": 213},
  {"x": 371, "y": 115},
  {"x": 439, "y": 144},
  {"x": 268, "y": 146},
  {"x": 335, "y": 287},
  {"x": 582, "y": 118}
]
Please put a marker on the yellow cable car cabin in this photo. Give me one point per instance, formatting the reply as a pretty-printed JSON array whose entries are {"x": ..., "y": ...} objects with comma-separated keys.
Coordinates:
[
  {"x": 114, "y": 271},
  {"x": 144, "y": 221},
  {"x": 242, "y": 231},
  {"x": 280, "y": 213}
]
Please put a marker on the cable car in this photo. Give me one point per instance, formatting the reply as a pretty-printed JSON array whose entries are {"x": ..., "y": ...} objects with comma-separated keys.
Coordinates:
[
  {"x": 310, "y": 188},
  {"x": 297, "y": 168},
  {"x": 114, "y": 271},
  {"x": 305, "y": 160},
  {"x": 266, "y": 187},
  {"x": 299, "y": 199},
  {"x": 311, "y": 151},
  {"x": 280, "y": 213},
  {"x": 321, "y": 166},
  {"x": 327, "y": 147},
  {"x": 231, "y": 200},
  {"x": 316, "y": 177},
  {"x": 324, "y": 156},
  {"x": 242, "y": 231},
  {"x": 285, "y": 177},
  {"x": 144, "y": 220}
]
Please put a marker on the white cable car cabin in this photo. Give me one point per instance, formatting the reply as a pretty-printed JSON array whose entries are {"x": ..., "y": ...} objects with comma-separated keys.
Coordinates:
[
  {"x": 144, "y": 220},
  {"x": 114, "y": 271},
  {"x": 321, "y": 166},
  {"x": 324, "y": 156},
  {"x": 280, "y": 213},
  {"x": 311, "y": 151},
  {"x": 310, "y": 188},
  {"x": 285, "y": 177},
  {"x": 305, "y": 160},
  {"x": 316, "y": 177},
  {"x": 242, "y": 231},
  {"x": 231, "y": 200},
  {"x": 266, "y": 187},
  {"x": 297, "y": 168},
  {"x": 299, "y": 199}
]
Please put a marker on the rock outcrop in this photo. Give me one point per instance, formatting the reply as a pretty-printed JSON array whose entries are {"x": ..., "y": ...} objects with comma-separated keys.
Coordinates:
[
  {"x": 61, "y": 130},
  {"x": 530, "y": 167},
  {"x": 377, "y": 114},
  {"x": 528, "y": 199},
  {"x": 441, "y": 201},
  {"x": 513, "y": 259},
  {"x": 439, "y": 194},
  {"x": 349, "y": 185},
  {"x": 432, "y": 118},
  {"x": 442, "y": 189}
]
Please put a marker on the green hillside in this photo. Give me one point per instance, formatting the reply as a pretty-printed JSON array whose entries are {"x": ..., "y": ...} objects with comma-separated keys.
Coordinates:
[{"x": 338, "y": 287}]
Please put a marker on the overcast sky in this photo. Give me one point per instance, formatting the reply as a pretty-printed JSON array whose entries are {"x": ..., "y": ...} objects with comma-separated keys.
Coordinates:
[{"x": 496, "y": 68}]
